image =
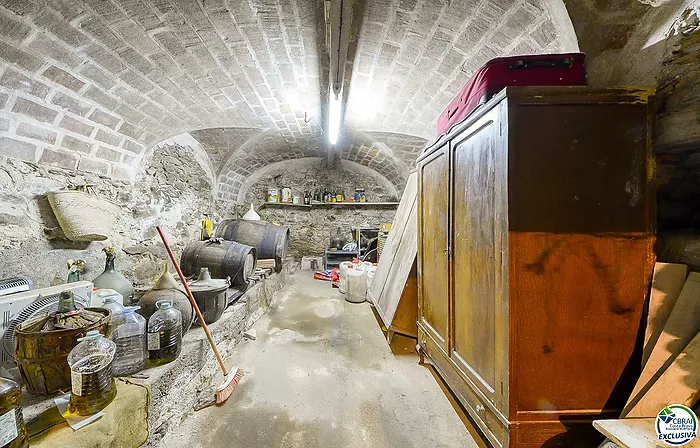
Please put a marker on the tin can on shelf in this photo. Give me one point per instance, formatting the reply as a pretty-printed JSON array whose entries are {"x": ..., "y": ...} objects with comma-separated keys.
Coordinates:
[
  {"x": 286, "y": 195},
  {"x": 272, "y": 195}
]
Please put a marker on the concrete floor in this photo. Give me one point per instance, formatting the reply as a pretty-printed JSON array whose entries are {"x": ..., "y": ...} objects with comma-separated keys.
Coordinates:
[{"x": 321, "y": 374}]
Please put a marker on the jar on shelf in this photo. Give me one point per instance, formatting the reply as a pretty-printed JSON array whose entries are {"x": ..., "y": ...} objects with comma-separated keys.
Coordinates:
[
  {"x": 164, "y": 333},
  {"x": 130, "y": 337},
  {"x": 13, "y": 432},
  {"x": 92, "y": 383}
]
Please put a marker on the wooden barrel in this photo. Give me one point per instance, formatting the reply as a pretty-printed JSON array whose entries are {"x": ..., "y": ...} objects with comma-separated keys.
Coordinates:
[
  {"x": 270, "y": 240},
  {"x": 223, "y": 258},
  {"x": 42, "y": 357}
]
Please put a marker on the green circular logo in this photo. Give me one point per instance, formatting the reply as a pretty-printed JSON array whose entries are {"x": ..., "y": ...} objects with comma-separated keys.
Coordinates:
[{"x": 676, "y": 425}]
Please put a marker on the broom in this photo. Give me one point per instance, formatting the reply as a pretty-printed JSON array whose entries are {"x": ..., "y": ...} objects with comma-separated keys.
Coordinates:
[{"x": 231, "y": 377}]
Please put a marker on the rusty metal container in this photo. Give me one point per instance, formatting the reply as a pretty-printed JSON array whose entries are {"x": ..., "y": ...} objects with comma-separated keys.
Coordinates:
[{"x": 42, "y": 357}]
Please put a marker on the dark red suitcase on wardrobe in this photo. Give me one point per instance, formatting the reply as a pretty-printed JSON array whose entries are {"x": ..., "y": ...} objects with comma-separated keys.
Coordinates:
[{"x": 536, "y": 70}]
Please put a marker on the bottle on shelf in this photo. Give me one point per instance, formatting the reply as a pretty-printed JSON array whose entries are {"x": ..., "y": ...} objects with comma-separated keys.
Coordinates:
[
  {"x": 164, "y": 333},
  {"x": 130, "y": 337},
  {"x": 339, "y": 195},
  {"x": 115, "y": 319},
  {"x": 13, "y": 432},
  {"x": 113, "y": 279},
  {"x": 92, "y": 383}
]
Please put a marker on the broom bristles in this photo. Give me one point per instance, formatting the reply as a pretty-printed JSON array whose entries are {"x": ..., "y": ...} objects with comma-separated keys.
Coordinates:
[{"x": 229, "y": 385}]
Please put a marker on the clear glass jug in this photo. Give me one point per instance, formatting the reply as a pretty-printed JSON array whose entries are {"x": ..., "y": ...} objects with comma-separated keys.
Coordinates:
[
  {"x": 92, "y": 384},
  {"x": 130, "y": 337},
  {"x": 164, "y": 333}
]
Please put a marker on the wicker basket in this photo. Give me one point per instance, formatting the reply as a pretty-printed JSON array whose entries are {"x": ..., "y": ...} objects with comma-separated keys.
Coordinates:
[{"x": 83, "y": 216}]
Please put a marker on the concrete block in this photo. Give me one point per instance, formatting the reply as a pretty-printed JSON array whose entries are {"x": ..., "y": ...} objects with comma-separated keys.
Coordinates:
[
  {"x": 77, "y": 126},
  {"x": 108, "y": 137},
  {"x": 97, "y": 95},
  {"x": 63, "y": 78},
  {"x": 61, "y": 29},
  {"x": 96, "y": 166},
  {"x": 3, "y": 99},
  {"x": 4, "y": 124},
  {"x": 102, "y": 33},
  {"x": 101, "y": 117},
  {"x": 59, "y": 158},
  {"x": 98, "y": 76},
  {"x": 129, "y": 113},
  {"x": 77, "y": 144},
  {"x": 36, "y": 133},
  {"x": 18, "y": 149},
  {"x": 98, "y": 54},
  {"x": 20, "y": 7},
  {"x": 137, "y": 81},
  {"x": 16, "y": 56},
  {"x": 34, "y": 110},
  {"x": 108, "y": 154},
  {"x": 45, "y": 45},
  {"x": 13, "y": 29},
  {"x": 15, "y": 80},
  {"x": 71, "y": 104},
  {"x": 544, "y": 34},
  {"x": 130, "y": 130}
]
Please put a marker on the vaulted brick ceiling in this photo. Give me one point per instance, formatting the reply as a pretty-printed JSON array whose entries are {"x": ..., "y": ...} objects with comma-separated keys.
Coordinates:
[{"x": 94, "y": 84}]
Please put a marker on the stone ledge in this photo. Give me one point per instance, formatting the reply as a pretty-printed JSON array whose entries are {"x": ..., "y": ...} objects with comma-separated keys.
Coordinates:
[{"x": 171, "y": 390}]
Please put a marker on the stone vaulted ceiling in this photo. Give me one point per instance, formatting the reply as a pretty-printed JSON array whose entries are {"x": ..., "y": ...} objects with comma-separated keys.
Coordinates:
[{"x": 93, "y": 84}]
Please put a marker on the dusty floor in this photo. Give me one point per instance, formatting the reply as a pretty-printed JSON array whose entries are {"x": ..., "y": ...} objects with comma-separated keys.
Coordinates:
[{"x": 321, "y": 374}]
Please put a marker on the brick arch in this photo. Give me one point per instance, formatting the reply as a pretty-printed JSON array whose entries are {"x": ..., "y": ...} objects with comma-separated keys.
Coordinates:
[
  {"x": 91, "y": 84},
  {"x": 391, "y": 156},
  {"x": 94, "y": 84},
  {"x": 413, "y": 56},
  {"x": 346, "y": 164}
]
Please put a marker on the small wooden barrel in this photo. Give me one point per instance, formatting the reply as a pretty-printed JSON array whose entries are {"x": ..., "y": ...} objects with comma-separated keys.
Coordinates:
[
  {"x": 271, "y": 241},
  {"x": 42, "y": 357},
  {"x": 223, "y": 258}
]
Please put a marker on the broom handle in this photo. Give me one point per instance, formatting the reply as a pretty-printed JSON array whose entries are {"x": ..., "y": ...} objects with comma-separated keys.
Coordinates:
[{"x": 192, "y": 301}]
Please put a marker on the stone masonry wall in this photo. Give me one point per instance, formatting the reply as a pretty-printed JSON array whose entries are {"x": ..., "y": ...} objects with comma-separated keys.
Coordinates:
[
  {"x": 169, "y": 191},
  {"x": 312, "y": 228},
  {"x": 664, "y": 51}
]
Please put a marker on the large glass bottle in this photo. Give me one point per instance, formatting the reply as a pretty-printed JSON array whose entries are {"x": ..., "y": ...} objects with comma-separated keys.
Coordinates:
[
  {"x": 130, "y": 337},
  {"x": 92, "y": 383},
  {"x": 13, "y": 433},
  {"x": 164, "y": 333},
  {"x": 113, "y": 279},
  {"x": 116, "y": 318}
]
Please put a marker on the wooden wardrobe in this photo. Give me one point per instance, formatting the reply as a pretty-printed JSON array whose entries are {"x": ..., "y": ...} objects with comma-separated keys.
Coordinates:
[{"x": 536, "y": 220}]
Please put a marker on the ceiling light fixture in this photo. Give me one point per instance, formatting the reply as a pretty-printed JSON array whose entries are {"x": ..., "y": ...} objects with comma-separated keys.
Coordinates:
[{"x": 334, "y": 116}]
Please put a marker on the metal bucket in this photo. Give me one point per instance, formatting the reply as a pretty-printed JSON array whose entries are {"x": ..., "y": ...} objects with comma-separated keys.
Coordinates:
[
  {"x": 271, "y": 241},
  {"x": 223, "y": 258}
]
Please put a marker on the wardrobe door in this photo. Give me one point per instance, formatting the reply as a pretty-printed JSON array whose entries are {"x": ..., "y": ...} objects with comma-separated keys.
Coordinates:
[
  {"x": 434, "y": 246},
  {"x": 478, "y": 343}
]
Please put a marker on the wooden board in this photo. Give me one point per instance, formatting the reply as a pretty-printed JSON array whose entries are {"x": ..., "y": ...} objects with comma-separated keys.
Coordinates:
[
  {"x": 398, "y": 258},
  {"x": 678, "y": 385},
  {"x": 635, "y": 433},
  {"x": 268, "y": 263},
  {"x": 681, "y": 327},
  {"x": 406, "y": 316},
  {"x": 666, "y": 286}
]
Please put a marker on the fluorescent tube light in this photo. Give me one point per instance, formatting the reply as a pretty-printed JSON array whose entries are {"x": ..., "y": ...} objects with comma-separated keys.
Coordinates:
[{"x": 334, "y": 117}]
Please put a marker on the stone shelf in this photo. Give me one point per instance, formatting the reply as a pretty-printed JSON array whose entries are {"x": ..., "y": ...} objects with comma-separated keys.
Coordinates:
[
  {"x": 282, "y": 205},
  {"x": 330, "y": 204}
]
